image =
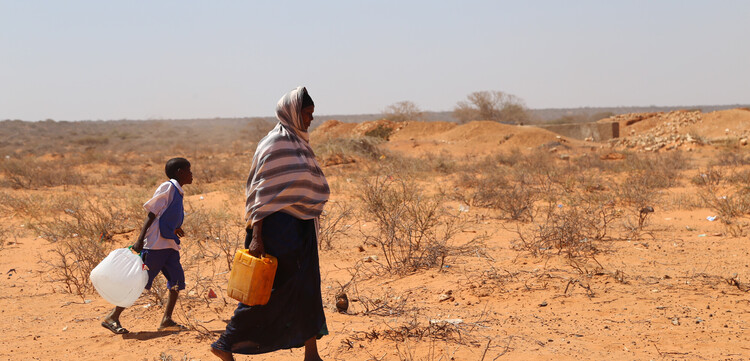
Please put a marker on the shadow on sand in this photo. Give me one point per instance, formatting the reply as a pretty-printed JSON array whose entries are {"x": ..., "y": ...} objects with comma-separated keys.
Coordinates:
[{"x": 150, "y": 335}]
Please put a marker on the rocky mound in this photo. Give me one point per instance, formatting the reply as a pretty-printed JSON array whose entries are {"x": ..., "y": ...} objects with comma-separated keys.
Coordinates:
[{"x": 651, "y": 132}]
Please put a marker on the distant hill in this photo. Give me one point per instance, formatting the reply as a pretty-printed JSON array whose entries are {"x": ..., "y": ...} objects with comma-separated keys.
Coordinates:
[
  {"x": 548, "y": 115},
  {"x": 583, "y": 114}
]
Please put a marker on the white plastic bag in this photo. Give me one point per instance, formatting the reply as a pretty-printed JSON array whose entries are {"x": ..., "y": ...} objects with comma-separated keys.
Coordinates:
[{"x": 120, "y": 278}]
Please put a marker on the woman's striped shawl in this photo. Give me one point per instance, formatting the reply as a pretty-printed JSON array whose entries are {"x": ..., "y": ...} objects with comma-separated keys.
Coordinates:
[{"x": 284, "y": 175}]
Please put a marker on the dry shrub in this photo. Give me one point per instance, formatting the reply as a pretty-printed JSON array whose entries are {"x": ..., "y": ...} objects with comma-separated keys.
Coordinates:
[
  {"x": 24, "y": 205},
  {"x": 657, "y": 170},
  {"x": 740, "y": 177},
  {"x": 134, "y": 176},
  {"x": 377, "y": 302},
  {"x": 403, "y": 111},
  {"x": 732, "y": 157},
  {"x": 638, "y": 194},
  {"x": 346, "y": 149},
  {"x": 514, "y": 190},
  {"x": 710, "y": 177},
  {"x": 411, "y": 228},
  {"x": 80, "y": 224},
  {"x": 72, "y": 262},
  {"x": 514, "y": 197},
  {"x": 380, "y": 131},
  {"x": 30, "y": 173},
  {"x": 88, "y": 216},
  {"x": 441, "y": 162},
  {"x": 218, "y": 234},
  {"x": 637, "y": 191},
  {"x": 5, "y": 233},
  {"x": 415, "y": 167},
  {"x": 333, "y": 223},
  {"x": 731, "y": 202},
  {"x": 575, "y": 230},
  {"x": 210, "y": 170},
  {"x": 414, "y": 329}
]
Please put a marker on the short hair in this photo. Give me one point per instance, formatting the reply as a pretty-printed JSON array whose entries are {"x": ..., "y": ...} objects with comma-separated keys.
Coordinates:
[{"x": 175, "y": 164}]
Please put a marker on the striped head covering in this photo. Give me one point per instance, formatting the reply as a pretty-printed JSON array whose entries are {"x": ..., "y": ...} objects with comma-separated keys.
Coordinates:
[{"x": 284, "y": 175}]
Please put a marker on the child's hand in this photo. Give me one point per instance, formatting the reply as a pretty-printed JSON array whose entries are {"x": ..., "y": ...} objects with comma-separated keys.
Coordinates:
[
  {"x": 138, "y": 246},
  {"x": 179, "y": 232}
]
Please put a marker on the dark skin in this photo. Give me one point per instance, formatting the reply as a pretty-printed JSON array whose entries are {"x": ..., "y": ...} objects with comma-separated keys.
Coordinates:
[
  {"x": 257, "y": 249},
  {"x": 183, "y": 176}
]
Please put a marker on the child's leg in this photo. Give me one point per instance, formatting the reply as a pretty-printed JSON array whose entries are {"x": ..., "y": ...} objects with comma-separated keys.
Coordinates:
[
  {"x": 114, "y": 315},
  {"x": 166, "y": 321},
  {"x": 175, "y": 281},
  {"x": 112, "y": 321}
]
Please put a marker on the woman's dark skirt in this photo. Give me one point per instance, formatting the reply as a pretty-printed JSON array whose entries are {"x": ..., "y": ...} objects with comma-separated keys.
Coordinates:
[{"x": 294, "y": 313}]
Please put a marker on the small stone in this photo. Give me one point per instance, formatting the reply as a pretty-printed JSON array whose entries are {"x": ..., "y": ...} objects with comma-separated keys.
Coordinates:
[
  {"x": 543, "y": 304},
  {"x": 370, "y": 258},
  {"x": 446, "y": 296},
  {"x": 676, "y": 321},
  {"x": 342, "y": 302}
]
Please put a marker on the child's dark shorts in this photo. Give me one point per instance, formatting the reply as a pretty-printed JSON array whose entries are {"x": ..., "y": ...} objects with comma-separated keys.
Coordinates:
[{"x": 166, "y": 261}]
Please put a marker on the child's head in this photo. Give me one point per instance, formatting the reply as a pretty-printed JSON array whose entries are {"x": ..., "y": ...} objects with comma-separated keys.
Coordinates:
[{"x": 179, "y": 169}]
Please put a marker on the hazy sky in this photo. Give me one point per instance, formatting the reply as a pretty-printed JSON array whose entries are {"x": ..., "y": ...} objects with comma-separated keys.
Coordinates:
[{"x": 76, "y": 60}]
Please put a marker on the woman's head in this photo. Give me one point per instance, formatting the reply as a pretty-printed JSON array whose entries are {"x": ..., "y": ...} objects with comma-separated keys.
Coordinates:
[{"x": 294, "y": 110}]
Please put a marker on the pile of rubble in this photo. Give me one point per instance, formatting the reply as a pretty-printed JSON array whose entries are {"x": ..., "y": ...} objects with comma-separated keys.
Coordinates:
[
  {"x": 668, "y": 134},
  {"x": 629, "y": 118}
]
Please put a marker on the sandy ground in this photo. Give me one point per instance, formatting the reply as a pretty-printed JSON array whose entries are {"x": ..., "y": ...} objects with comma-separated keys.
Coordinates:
[{"x": 665, "y": 296}]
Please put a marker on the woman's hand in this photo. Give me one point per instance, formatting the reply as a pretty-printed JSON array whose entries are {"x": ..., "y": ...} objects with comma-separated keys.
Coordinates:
[
  {"x": 256, "y": 247},
  {"x": 179, "y": 232}
]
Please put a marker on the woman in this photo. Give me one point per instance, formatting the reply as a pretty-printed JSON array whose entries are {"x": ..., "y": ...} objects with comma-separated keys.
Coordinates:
[{"x": 286, "y": 192}]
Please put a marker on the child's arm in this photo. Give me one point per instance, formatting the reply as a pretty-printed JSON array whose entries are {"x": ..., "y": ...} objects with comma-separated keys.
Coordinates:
[{"x": 138, "y": 245}]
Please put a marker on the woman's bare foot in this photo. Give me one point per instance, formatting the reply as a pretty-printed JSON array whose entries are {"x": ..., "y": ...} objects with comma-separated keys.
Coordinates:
[{"x": 223, "y": 355}]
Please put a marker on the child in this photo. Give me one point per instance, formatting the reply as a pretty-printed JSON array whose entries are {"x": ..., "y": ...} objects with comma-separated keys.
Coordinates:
[{"x": 159, "y": 242}]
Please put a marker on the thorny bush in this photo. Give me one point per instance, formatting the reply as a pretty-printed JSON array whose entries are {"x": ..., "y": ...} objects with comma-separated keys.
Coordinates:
[
  {"x": 412, "y": 228},
  {"x": 575, "y": 229}
]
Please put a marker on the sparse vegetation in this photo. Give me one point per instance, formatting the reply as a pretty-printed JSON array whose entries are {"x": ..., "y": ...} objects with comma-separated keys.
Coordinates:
[
  {"x": 412, "y": 228},
  {"x": 345, "y": 150},
  {"x": 492, "y": 105},
  {"x": 403, "y": 111}
]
